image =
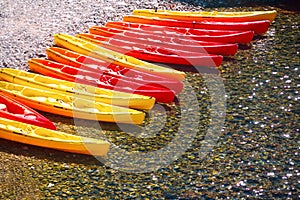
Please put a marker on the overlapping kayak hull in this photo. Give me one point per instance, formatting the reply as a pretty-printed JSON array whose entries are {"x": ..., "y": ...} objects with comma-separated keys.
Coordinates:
[
  {"x": 77, "y": 90},
  {"x": 226, "y": 49},
  {"x": 87, "y": 48},
  {"x": 81, "y": 61},
  {"x": 70, "y": 106},
  {"x": 69, "y": 73},
  {"x": 160, "y": 55}
]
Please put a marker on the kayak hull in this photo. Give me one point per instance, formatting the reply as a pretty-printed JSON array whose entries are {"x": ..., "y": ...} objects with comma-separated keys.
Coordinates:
[
  {"x": 236, "y": 37},
  {"x": 208, "y": 16},
  {"x": 259, "y": 27},
  {"x": 166, "y": 29},
  {"x": 42, "y": 137}
]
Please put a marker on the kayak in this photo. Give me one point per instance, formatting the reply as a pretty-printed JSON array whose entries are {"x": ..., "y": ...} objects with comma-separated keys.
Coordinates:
[
  {"x": 81, "y": 61},
  {"x": 167, "y": 30},
  {"x": 17, "y": 111},
  {"x": 87, "y": 48},
  {"x": 259, "y": 27},
  {"x": 158, "y": 54},
  {"x": 83, "y": 76},
  {"x": 42, "y": 137},
  {"x": 237, "y": 37},
  {"x": 70, "y": 106},
  {"x": 226, "y": 49},
  {"x": 38, "y": 81},
  {"x": 209, "y": 16}
]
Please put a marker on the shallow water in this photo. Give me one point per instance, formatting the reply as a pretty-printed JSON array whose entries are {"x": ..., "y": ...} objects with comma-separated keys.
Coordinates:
[{"x": 233, "y": 134}]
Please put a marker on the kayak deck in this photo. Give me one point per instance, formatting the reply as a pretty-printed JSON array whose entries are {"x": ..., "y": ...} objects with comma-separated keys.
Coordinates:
[{"x": 14, "y": 110}]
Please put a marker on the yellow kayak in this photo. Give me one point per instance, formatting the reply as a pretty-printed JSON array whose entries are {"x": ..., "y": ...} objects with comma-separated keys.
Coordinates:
[
  {"x": 87, "y": 48},
  {"x": 209, "y": 16},
  {"x": 42, "y": 137},
  {"x": 38, "y": 81},
  {"x": 70, "y": 105}
]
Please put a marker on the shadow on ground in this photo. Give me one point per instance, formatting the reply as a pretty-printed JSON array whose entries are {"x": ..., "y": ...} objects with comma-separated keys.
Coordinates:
[{"x": 40, "y": 153}]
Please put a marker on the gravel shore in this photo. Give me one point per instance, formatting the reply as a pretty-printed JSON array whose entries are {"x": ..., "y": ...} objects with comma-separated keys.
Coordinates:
[
  {"x": 257, "y": 152},
  {"x": 27, "y": 27}
]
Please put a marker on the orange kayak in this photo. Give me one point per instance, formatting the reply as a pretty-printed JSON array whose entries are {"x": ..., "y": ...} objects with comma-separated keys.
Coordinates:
[{"x": 208, "y": 15}]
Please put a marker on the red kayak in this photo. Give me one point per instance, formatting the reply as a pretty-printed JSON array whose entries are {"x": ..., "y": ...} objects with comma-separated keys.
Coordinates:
[
  {"x": 226, "y": 49},
  {"x": 230, "y": 37},
  {"x": 156, "y": 54},
  {"x": 17, "y": 111},
  {"x": 167, "y": 29},
  {"x": 83, "y": 76},
  {"x": 81, "y": 61},
  {"x": 239, "y": 37},
  {"x": 259, "y": 27}
]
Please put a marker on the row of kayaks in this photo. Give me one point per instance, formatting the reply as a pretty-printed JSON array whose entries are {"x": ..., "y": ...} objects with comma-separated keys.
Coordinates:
[
  {"x": 180, "y": 38},
  {"x": 110, "y": 74},
  {"x": 69, "y": 98}
]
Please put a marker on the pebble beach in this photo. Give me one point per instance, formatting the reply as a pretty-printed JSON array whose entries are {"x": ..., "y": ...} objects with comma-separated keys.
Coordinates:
[{"x": 240, "y": 140}]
